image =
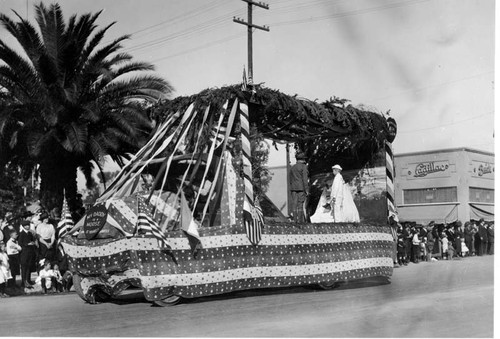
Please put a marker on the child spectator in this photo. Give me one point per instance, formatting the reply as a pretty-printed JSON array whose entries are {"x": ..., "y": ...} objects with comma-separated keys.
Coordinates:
[
  {"x": 67, "y": 280},
  {"x": 58, "y": 278},
  {"x": 4, "y": 270},
  {"x": 28, "y": 243},
  {"x": 46, "y": 277},
  {"x": 451, "y": 250},
  {"x": 402, "y": 260},
  {"x": 13, "y": 250},
  {"x": 444, "y": 246},
  {"x": 415, "y": 246},
  {"x": 465, "y": 249},
  {"x": 423, "y": 249}
]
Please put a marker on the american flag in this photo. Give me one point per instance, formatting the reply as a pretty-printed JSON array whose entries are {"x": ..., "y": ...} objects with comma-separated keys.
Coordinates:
[
  {"x": 190, "y": 226},
  {"x": 66, "y": 223},
  {"x": 244, "y": 82},
  {"x": 147, "y": 225}
]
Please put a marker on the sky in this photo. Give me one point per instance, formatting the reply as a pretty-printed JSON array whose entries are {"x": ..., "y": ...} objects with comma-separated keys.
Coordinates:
[{"x": 429, "y": 62}]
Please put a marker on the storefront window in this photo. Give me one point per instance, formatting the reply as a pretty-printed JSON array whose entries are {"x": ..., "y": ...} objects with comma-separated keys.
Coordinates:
[
  {"x": 481, "y": 195},
  {"x": 430, "y": 195}
]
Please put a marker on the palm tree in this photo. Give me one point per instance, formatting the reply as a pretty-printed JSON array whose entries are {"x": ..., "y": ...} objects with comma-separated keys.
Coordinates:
[{"x": 67, "y": 100}]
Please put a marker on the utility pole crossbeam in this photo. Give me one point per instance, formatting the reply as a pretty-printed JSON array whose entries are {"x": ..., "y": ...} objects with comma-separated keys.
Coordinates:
[{"x": 250, "y": 25}]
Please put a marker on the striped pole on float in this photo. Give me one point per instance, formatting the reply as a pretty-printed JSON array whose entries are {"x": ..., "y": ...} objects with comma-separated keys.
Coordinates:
[
  {"x": 389, "y": 171},
  {"x": 252, "y": 216}
]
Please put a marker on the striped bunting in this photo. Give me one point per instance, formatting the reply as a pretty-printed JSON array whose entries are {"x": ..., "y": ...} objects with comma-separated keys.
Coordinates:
[
  {"x": 252, "y": 217},
  {"x": 228, "y": 262},
  {"x": 214, "y": 242},
  {"x": 146, "y": 224}
]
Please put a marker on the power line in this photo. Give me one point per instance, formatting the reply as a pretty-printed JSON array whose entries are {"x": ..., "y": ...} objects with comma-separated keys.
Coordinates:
[
  {"x": 175, "y": 19},
  {"x": 217, "y": 42},
  {"x": 182, "y": 16},
  {"x": 203, "y": 27},
  {"x": 432, "y": 86},
  {"x": 350, "y": 13},
  {"x": 444, "y": 125}
]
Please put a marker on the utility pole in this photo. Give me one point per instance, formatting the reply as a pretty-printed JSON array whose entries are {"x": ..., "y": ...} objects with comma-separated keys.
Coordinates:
[{"x": 250, "y": 25}]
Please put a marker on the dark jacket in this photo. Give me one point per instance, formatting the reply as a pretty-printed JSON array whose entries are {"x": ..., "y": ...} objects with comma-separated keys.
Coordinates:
[
  {"x": 491, "y": 234},
  {"x": 482, "y": 233},
  {"x": 28, "y": 252},
  {"x": 299, "y": 177}
]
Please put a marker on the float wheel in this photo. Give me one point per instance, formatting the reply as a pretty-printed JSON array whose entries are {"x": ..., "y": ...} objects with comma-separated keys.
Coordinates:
[
  {"x": 169, "y": 300},
  {"x": 330, "y": 285},
  {"x": 94, "y": 296}
]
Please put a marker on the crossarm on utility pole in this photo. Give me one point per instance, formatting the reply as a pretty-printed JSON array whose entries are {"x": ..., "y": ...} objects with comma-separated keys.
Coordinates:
[
  {"x": 240, "y": 21},
  {"x": 250, "y": 25}
]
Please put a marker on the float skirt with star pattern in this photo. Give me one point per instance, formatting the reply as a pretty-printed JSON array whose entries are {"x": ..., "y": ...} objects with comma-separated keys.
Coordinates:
[{"x": 288, "y": 255}]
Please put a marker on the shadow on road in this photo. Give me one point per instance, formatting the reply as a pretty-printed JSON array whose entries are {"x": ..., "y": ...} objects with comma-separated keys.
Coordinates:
[
  {"x": 347, "y": 285},
  {"x": 135, "y": 295}
]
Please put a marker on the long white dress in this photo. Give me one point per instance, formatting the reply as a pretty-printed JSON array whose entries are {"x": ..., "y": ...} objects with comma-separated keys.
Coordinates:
[
  {"x": 343, "y": 210},
  {"x": 4, "y": 268},
  {"x": 349, "y": 211},
  {"x": 322, "y": 214}
]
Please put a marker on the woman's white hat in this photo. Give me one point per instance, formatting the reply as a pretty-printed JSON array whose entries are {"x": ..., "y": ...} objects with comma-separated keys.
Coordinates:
[{"x": 337, "y": 167}]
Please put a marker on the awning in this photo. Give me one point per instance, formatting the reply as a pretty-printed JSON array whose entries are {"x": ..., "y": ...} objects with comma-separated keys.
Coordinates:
[
  {"x": 424, "y": 214},
  {"x": 478, "y": 211}
]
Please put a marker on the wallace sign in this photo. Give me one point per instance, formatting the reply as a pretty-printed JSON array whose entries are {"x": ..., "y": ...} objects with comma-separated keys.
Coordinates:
[{"x": 94, "y": 221}]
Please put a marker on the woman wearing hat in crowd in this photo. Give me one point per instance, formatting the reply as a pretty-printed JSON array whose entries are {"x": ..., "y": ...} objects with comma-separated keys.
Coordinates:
[{"x": 28, "y": 243}]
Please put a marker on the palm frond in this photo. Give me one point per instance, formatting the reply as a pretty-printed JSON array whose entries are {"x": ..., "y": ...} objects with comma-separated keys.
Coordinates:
[
  {"x": 93, "y": 43},
  {"x": 37, "y": 142},
  {"x": 76, "y": 136},
  {"x": 52, "y": 26},
  {"x": 96, "y": 148},
  {"x": 148, "y": 87},
  {"x": 95, "y": 60},
  {"x": 23, "y": 70},
  {"x": 29, "y": 39}
]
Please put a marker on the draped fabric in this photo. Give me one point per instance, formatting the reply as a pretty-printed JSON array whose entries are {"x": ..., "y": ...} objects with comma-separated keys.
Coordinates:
[
  {"x": 486, "y": 212},
  {"x": 287, "y": 255}
]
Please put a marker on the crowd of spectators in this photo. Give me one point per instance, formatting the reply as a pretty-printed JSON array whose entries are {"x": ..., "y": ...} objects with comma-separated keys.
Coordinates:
[
  {"x": 416, "y": 243},
  {"x": 29, "y": 245}
]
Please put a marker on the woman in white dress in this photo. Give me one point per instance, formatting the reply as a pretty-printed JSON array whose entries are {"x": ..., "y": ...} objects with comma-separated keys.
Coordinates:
[
  {"x": 323, "y": 211},
  {"x": 340, "y": 199}
]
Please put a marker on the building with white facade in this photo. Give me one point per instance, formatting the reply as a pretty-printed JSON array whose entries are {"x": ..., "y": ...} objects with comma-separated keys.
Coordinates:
[{"x": 445, "y": 185}]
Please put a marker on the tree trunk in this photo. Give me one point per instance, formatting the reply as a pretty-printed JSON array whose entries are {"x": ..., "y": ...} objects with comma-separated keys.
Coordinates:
[{"x": 56, "y": 178}]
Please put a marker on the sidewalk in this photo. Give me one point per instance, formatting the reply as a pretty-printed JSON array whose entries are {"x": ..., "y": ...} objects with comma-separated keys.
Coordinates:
[{"x": 36, "y": 290}]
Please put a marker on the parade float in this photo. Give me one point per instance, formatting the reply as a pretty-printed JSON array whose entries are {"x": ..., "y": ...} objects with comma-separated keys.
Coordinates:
[{"x": 181, "y": 219}]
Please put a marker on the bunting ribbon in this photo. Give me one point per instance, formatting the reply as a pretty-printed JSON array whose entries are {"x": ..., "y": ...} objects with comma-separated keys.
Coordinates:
[
  {"x": 228, "y": 129},
  {"x": 210, "y": 156},
  {"x": 252, "y": 216},
  {"x": 134, "y": 163}
]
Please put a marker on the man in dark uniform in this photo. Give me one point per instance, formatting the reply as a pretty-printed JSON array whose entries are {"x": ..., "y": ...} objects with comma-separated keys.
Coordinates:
[
  {"x": 299, "y": 187},
  {"x": 483, "y": 238}
]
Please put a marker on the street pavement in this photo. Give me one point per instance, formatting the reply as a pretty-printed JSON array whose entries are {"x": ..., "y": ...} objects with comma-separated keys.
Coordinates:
[{"x": 431, "y": 299}]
